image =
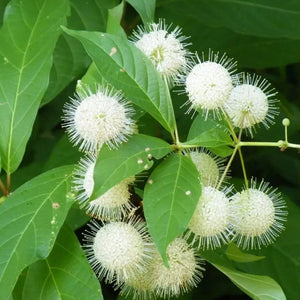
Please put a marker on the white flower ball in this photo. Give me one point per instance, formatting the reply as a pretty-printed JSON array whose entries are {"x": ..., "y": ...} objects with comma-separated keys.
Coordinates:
[
  {"x": 118, "y": 250},
  {"x": 210, "y": 223},
  {"x": 257, "y": 215},
  {"x": 208, "y": 166},
  {"x": 249, "y": 103},
  {"x": 94, "y": 119},
  {"x": 184, "y": 272},
  {"x": 165, "y": 49}
]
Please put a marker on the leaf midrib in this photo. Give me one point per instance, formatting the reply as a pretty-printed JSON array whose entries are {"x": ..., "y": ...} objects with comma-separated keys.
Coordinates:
[
  {"x": 132, "y": 79},
  {"x": 173, "y": 197},
  {"x": 18, "y": 87}
]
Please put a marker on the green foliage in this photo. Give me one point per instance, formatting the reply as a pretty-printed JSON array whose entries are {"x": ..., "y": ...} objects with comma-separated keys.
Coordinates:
[
  {"x": 31, "y": 218},
  {"x": 25, "y": 65},
  {"x": 170, "y": 197},
  {"x": 256, "y": 286},
  {"x": 125, "y": 69},
  {"x": 113, "y": 166},
  {"x": 65, "y": 273},
  {"x": 48, "y": 46}
]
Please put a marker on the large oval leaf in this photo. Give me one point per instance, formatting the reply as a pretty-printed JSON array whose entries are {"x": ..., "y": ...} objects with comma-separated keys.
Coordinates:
[
  {"x": 127, "y": 69},
  {"x": 65, "y": 274},
  {"x": 30, "y": 218},
  {"x": 259, "y": 17},
  {"x": 28, "y": 36},
  {"x": 170, "y": 198},
  {"x": 258, "y": 287},
  {"x": 129, "y": 159}
]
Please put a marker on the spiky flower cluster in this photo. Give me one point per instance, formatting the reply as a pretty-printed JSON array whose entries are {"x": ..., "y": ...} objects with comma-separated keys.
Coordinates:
[
  {"x": 166, "y": 48},
  {"x": 119, "y": 247},
  {"x": 94, "y": 119}
]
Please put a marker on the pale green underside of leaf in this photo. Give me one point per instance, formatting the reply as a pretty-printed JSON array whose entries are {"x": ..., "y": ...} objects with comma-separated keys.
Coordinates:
[
  {"x": 28, "y": 36},
  {"x": 145, "y": 8},
  {"x": 258, "y": 287},
  {"x": 31, "y": 218},
  {"x": 129, "y": 159},
  {"x": 170, "y": 198},
  {"x": 65, "y": 274},
  {"x": 122, "y": 65}
]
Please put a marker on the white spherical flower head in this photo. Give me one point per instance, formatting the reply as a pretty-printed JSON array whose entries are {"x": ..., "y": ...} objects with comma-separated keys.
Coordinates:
[
  {"x": 210, "y": 222},
  {"x": 257, "y": 215},
  {"x": 139, "y": 287},
  {"x": 184, "y": 272},
  {"x": 118, "y": 250},
  {"x": 209, "y": 83},
  {"x": 166, "y": 50},
  {"x": 113, "y": 204},
  {"x": 208, "y": 165},
  {"x": 94, "y": 119},
  {"x": 249, "y": 103}
]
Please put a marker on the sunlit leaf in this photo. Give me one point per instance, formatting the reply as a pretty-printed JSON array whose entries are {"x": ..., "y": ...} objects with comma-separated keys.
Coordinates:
[
  {"x": 127, "y": 69},
  {"x": 65, "y": 274},
  {"x": 31, "y": 218},
  {"x": 129, "y": 159},
  {"x": 28, "y": 36},
  {"x": 170, "y": 198}
]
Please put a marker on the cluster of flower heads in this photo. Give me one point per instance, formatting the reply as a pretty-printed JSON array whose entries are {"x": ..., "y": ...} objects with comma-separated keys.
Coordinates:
[
  {"x": 118, "y": 246},
  {"x": 211, "y": 83},
  {"x": 251, "y": 218}
]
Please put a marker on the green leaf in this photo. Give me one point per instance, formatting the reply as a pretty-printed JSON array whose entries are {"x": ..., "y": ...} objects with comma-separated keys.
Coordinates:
[
  {"x": 212, "y": 138},
  {"x": 127, "y": 69},
  {"x": 30, "y": 218},
  {"x": 3, "y": 4},
  {"x": 258, "y": 287},
  {"x": 258, "y": 18},
  {"x": 28, "y": 36},
  {"x": 65, "y": 274},
  {"x": 129, "y": 159},
  {"x": 69, "y": 57},
  {"x": 145, "y": 8},
  {"x": 114, "y": 20},
  {"x": 235, "y": 254},
  {"x": 62, "y": 153},
  {"x": 170, "y": 198},
  {"x": 210, "y": 134}
]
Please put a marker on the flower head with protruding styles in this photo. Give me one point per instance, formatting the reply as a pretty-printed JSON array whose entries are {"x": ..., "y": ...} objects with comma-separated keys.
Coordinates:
[
  {"x": 257, "y": 215},
  {"x": 184, "y": 272},
  {"x": 94, "y": 119},
  {"x": 208, "y": 165},
  {"x": 118, "y": 250},
  {"x": 251, "y": 103},
  {"x": 112, "y": 205},
  {"x": 209, "y": 225},
  {"x": 165, "y": 48},
  {"x": 209, "y": 83}
]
